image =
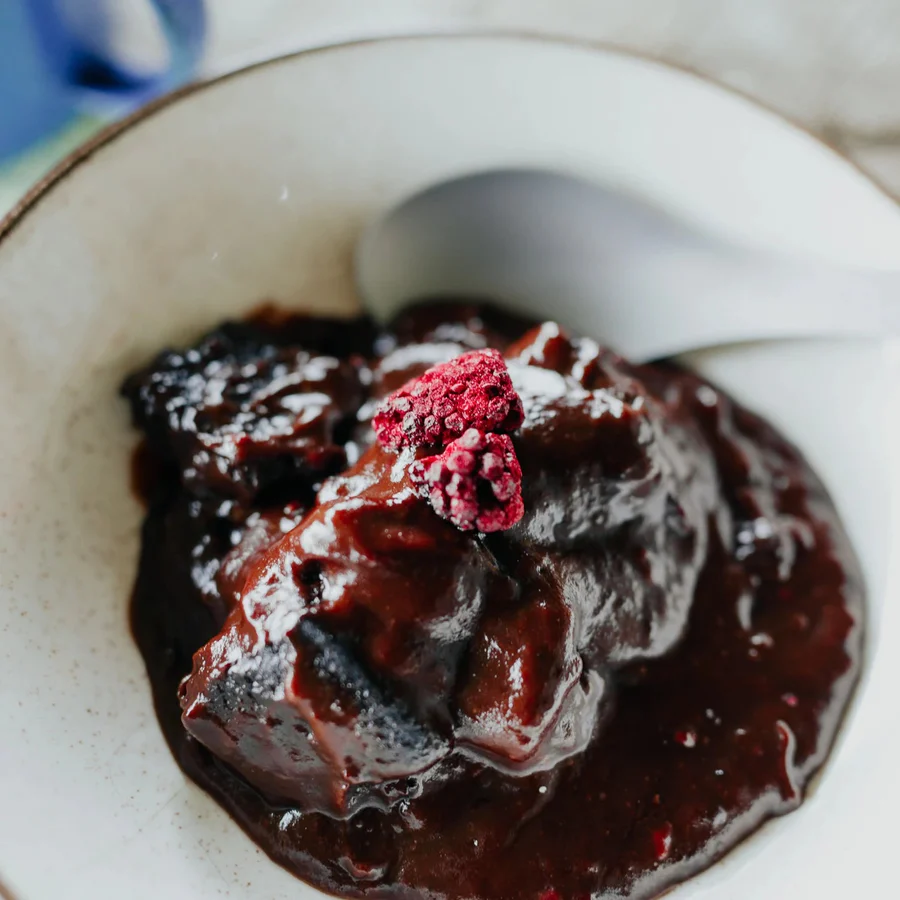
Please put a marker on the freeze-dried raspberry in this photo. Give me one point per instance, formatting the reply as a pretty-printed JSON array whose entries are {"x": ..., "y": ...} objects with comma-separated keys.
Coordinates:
[
  {"x": 472, "y": 391},
  {"x": 476, "y": 482}
]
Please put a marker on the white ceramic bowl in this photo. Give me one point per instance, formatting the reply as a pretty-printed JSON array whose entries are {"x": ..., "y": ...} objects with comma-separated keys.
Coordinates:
[{"x": 255, "y": 188}]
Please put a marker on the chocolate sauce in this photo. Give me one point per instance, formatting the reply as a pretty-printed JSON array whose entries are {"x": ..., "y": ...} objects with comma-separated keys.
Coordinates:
[{"x": 600, "y": 701}]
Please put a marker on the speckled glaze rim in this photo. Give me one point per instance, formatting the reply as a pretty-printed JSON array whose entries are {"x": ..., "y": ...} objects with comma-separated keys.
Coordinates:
[
  {"x": 81, "y": 154},
  {"x": 107, "y": 135}
]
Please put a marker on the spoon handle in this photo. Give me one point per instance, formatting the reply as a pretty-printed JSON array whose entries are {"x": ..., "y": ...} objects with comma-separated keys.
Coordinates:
[{"x": 673, "y": 301}]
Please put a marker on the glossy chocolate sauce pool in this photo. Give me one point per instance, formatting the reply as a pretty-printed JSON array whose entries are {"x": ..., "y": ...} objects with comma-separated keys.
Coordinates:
[{"x": 598, "y": 701}]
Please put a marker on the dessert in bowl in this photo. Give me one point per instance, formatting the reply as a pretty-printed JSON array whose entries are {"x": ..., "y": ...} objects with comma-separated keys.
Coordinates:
[
  {"x": 264, "y": 208},
  {"x": 431, "y": 620}
]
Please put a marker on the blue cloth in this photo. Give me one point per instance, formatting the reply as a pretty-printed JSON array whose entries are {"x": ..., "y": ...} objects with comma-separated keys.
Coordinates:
[{"x": 52, "y": 66}]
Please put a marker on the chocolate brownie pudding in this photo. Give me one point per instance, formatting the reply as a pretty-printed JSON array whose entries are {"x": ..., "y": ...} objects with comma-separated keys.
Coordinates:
[{"x": 470, "y": 607}]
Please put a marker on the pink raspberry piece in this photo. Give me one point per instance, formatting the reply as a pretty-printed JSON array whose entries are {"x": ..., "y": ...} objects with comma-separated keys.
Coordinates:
[
  {"x": 472, "y": 391},
  {"x": 476, "y": 482}
]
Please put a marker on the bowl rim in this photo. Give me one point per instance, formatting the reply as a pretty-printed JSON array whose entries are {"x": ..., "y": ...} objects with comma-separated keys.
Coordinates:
[
  {"x": 31, "y": 199},
  {"x": 81, "y": 154}
]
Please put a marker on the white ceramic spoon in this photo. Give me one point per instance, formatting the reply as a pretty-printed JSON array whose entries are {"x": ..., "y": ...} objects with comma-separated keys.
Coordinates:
[{"x": 611, "y": 266}]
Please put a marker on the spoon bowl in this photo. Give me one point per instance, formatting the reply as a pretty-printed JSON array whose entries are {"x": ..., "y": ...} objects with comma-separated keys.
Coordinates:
[{"x": 610, "y": 264}]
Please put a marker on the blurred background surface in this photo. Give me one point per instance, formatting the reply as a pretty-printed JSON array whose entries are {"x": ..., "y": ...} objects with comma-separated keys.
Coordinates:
[{"x": 831, "y": 65}]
